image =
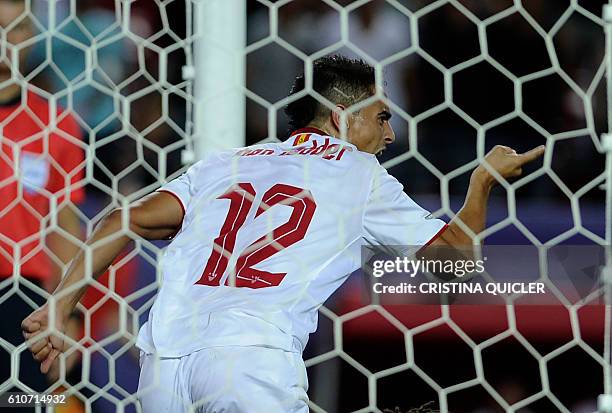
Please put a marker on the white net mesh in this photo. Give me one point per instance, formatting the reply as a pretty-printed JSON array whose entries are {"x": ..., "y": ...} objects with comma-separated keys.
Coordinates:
[{"x": 461, "y": 76}]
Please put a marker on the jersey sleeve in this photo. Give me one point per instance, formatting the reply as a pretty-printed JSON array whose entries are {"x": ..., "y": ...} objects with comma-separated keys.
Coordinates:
[
  {"x": 183, "y": 188},
  {"x": 392, "y": 218}
]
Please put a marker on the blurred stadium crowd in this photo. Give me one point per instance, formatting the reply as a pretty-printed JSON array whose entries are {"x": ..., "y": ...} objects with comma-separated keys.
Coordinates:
[{"x": 126, "y": 67}]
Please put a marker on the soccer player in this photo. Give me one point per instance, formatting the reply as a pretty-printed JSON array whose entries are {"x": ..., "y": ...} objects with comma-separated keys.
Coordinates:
[
  {"x": 40, "y": 158},
  {"x": 262, "y": 236}
]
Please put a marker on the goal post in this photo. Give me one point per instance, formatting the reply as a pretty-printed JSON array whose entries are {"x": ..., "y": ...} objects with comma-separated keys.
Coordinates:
[
  {"x": 604, "y": 402},
  {"x": 219, "y": 73}
]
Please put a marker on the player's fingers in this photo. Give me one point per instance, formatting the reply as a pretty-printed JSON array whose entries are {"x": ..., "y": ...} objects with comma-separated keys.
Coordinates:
[
  {"x": 36, "y": 346},
  {"x": 46, "y": 364},
  {"x": 43, "y": 354},
  {"x": 32, "y": 340},
  {"x": 29, "y": 325},
  {"x": 28, "y": 336},
  {"x": 533, "y": 154},
  {"x": 57, "y": 341},
  {"x": 518, "y": 172}
]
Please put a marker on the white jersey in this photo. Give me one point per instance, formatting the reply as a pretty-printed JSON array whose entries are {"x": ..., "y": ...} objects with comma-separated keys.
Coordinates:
[{"x": 269, "y": 233}]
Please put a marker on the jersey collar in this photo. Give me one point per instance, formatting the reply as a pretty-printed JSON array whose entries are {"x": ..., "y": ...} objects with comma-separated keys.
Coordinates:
[{"x": 308, "y": 130}]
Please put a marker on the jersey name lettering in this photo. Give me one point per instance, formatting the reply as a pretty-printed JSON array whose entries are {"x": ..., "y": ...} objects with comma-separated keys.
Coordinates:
[{"x": 326, "y": 151}]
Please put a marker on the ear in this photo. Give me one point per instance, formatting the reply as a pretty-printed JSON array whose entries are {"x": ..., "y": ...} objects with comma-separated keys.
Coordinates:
[{"x": 337, "y": 117}]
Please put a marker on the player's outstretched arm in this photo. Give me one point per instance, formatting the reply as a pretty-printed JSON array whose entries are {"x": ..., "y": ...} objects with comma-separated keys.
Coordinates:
[
  {"x": 473, "y": 214},
  {"x": 156, "y": 216}
]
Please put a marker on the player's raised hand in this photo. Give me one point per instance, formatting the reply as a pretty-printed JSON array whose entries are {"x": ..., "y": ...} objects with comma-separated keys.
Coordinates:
[
  {"x": 45, "y": 349},
  {"x": 507, "y": 162}
]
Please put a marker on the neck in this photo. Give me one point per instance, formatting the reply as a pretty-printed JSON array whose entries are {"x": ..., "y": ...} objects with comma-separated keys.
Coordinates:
[
  {"x": 10, "y": 92},
  {"x": 330, "y": 131}
]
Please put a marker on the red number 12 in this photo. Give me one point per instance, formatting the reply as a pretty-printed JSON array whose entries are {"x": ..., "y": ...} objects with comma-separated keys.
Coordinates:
[{"x": 241, "y": 197}]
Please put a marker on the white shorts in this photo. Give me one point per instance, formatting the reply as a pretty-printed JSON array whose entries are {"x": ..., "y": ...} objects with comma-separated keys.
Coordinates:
[{"x": 224, "y": 380}]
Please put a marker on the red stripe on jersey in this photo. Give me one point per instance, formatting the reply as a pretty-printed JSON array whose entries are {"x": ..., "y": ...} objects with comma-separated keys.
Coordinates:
[
  {"x": 435, "y": 237},
  {"x": 308, "y": 130}
]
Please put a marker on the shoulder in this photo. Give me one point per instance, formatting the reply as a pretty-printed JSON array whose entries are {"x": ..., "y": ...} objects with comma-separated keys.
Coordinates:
[
  {"x": 209, "y": 160},
  {"x": 384, "y": 185},
  {"x": 369, "y": 164}
]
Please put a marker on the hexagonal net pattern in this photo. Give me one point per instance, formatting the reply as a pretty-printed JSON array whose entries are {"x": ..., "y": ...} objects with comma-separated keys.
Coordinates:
[{"x": 103, "y": 115}]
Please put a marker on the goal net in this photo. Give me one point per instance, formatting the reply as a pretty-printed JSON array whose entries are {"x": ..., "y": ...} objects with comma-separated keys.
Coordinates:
[{"x": 146, "y": 86}]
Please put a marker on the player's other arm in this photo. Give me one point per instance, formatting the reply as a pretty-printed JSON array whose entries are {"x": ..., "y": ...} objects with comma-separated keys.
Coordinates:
[
  {"x": 156, "y": 216},
  {"x": 473, "y": 214}
]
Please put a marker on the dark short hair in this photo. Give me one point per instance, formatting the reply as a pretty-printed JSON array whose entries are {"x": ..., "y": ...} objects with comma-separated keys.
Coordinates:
[{"x": 337, "y": 78}]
